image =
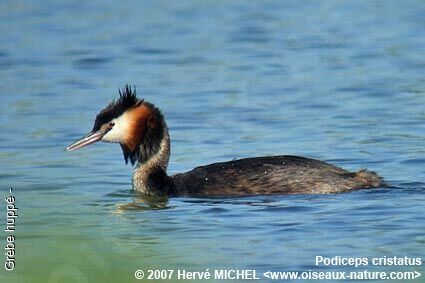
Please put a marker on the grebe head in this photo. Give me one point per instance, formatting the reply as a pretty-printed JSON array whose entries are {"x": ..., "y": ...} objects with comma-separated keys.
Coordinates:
[{"x": 136, "y": 125}]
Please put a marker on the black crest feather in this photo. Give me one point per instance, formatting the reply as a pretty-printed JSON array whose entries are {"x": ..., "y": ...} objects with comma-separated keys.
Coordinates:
[{"x": 126, "y": 101}]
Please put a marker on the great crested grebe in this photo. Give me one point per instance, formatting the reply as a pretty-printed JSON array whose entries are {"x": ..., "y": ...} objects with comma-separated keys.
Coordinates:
[{"x": 140, "y": 129}]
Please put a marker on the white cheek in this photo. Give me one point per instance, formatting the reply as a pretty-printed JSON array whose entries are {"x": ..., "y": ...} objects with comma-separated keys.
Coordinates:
[
  {"x": 111, "y": 136},
  {"x": 118, "y": 132}
]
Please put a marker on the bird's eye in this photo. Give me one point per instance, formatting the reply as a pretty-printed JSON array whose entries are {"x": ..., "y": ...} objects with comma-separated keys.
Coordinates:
[{"x": 111, "y": 124}]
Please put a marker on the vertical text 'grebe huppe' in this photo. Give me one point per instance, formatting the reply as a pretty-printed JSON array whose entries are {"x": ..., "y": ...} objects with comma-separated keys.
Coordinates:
[{"x": 140, "y": 129}]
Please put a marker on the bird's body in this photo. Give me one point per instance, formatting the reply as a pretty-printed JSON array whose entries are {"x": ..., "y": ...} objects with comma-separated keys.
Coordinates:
[
  {"x": 141, "y": 130},
  {"x": 271, "y": 175}
]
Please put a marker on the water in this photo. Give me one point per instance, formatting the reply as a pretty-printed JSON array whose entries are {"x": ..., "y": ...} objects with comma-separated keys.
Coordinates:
[{"x": 338, "y": 81}]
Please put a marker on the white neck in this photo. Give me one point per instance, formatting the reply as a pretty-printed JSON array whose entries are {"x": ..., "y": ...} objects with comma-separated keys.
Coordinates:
[{"x": 158, "y": 160}]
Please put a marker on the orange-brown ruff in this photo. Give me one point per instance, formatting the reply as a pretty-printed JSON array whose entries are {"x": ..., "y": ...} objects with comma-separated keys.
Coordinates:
[{"x": 140, "y": 129}]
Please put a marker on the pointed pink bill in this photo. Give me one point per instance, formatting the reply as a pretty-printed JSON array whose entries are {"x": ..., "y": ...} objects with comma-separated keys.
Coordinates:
[{"x": 86, "y": 140}]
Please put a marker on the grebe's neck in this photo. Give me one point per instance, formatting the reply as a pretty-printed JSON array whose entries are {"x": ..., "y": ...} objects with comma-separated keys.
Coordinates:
[{"x": 150, "y": 175}]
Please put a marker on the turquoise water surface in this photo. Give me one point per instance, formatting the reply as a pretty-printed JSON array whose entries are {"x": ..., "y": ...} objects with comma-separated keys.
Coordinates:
[{"x": 340, "y": 81}]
